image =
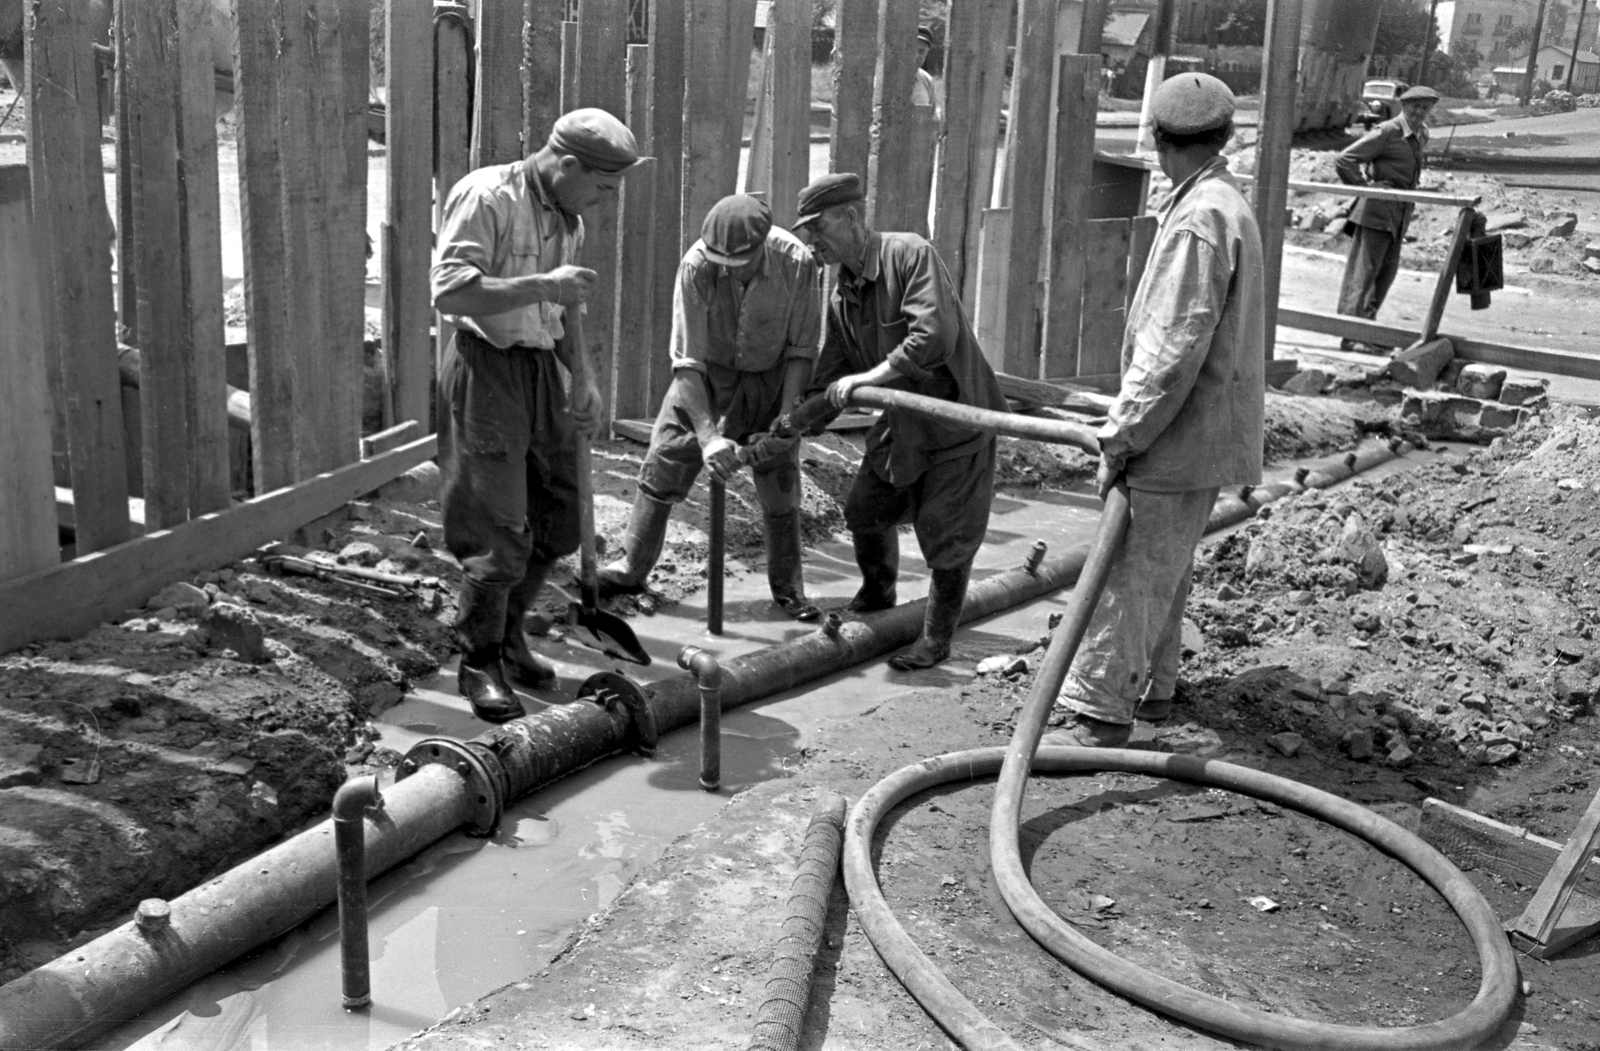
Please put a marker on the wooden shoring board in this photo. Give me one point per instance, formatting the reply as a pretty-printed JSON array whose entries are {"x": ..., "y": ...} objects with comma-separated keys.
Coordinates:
[
  {"x": 1029, "y": 177},
  {"x": 1092, "y": 20},
  {"x": 1280, "y": 81},
  {"x": 635, "y": 300},
  {"x": 541, "y": 70},
  {"x": 602, "y": 59},
  {"x": 1447, "y": 275},
  {"x": 710, "y": 167},
  {"x": 758, "y": 164},
  {"x": 990, "y": 311},
  {"x": 1076, "y": 106},
  {"x": 75, "y": 596},
  {"x": 452, "y": 130},
  {"x": 72, "y": 241},
  {"x": 205, "y": 341},
  {"x": 569, "y": 65},
  {"x": 1141, "y": 238},
  {"x": 666, "y": 145},
  {"x": 408, "y": 140},
  {"x": 985, "y": 146},
  {"x": 855, "y": 49},
  {"x": 28, "y": 540},
  {"x": 270, "y": 349},
  {"x": 789, "y": 26},
  {"x": 958, "y": 195},
  {"x": 923, "y": 158},
  {"x": 1104, "y": 296},
  {"x": 149, "y": 32},
  {"x": 127, "y": 288},
  {"x": 497, "y": 96},
  {"x": 1540, "y": 923},
  {"x": 1056, "y": 394},
  {"x": 741, "y": 28},
  {"x": 346, "y": 243},
  {"x": 891, "y": 161}
]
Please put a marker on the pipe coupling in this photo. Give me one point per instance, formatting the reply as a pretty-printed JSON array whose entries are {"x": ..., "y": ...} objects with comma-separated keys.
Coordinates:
[
  {"x": 153, "y": 916},
  {"x": 477, "y": 766},
  {"x": 831, "y": 623},
  {"x": 1030, "y": 565}
]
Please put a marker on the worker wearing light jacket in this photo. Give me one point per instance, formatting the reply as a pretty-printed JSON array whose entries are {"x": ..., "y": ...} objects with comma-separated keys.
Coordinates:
[
  {"x": 504, "y": 276},
  {"x": 746, "y": 328},
  {"x": 1187, "y": 418},
  {"x": 896, "y": 321},
  {"x": 1391, "y": 155}
]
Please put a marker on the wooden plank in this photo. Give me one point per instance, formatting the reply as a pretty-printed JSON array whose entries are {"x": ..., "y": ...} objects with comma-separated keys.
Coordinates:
[
  {"x": 921, "y": 146},
  {"x": 205, "y": 343},
  {"x": 1092, "y": 26},
  {"x": 390, "y": 438},
  {"x": 993, "y": 250},
  {"x": 74, "y": 597},
  {"x": 541, "y": 70},
  {"x": 635, "y": 301},
  {"x": 986, "y": 140},
  {"x": 408, "y": 137},
  {"x": 66, "y": 518},
  {"x": 1076, "y": 106},
  {"x": 497, "y": 98},
  {"x": 1104, "y": 296},
  {"x": 150, "y": 36},
  {"x": 1029, "y": 178},
  {"x": 1539, "y": 919},
  {"x": 602, "y": 58},
  {"x": 890, "y": 155},
  {"x": 741, "y": 16},
  {"x": 1447, "y": 275},
  {"x": 855, "y": 49},
  {"x": 1055, "y": 394},
  {"x": 633, "y": 430},
  {"x": 666, "y": 145},
  {"x": 1472, "y": 841},
  {"x": 789, "y": 28},
  {"x": 569, "y": 66},
  {"x": 452, "y": 129},
  {"x": 347, "y": 232},
  {"x": 962, "y": 189},
  {"x": 1279, "y": 82},
  {"x": 73, "y": 238},
  {"x": 1141, "y": 238},
  {"x": 757, "y": 177},
  {"x": 28, "y": 539},
  {"x": 127, "y": 289},
  {"x": 709, "y": 167},
  {"x": 1377, "y": 193}
]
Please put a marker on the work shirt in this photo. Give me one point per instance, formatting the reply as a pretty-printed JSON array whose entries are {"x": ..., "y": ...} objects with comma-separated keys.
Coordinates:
[
  {"x": 724, "y": 323},
  {"x": 499, "y": 222},
  {"x": 925, "y": 92},
  {"x": 1394, "y": 154},
  {"x": 1189, "y": 411},
  {"x": 902, "y": 308}
]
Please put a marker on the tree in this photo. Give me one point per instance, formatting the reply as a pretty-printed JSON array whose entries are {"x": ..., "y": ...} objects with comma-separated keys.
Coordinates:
[
  {"x": 1404, "y": 30},
  {"x": 1240, "y": 22}
]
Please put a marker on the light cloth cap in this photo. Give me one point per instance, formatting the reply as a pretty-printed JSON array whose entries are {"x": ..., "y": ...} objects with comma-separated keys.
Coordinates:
[{"x": 1191, "y": 103}]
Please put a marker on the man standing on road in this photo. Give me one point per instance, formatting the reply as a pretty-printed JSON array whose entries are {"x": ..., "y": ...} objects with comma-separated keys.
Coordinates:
[
  {"x": 1186, "y": 421},
  {"x": 1390, "y": 156},
  {"x": 896, "y": 320},
  {"x": 503, "y": 275},
  {"x": 746, "y": 324}
]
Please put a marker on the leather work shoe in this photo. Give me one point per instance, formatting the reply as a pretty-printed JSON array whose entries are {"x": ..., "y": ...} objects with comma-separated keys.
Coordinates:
[
  {"x": 1154, "y": 709},
  {"x": 798, "y": 607},
  {"x": 865, "y": 602},
  {"x": 484, "y": 687},
  {"x": 1084, "y": 732}
]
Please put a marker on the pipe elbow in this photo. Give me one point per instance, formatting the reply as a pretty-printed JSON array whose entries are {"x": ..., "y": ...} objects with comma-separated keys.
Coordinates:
[
  {"x": 702, "y": 665},
  {"x": 355, "y": 797}
]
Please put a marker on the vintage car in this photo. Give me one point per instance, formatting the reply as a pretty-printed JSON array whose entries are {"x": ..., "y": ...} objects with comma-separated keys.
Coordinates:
[{"x": 1380, "y": 100}]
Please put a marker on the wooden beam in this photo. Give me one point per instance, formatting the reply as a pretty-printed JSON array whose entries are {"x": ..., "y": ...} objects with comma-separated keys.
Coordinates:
[
  {"x": 28, "y": 539},
  {"x": 541, "y": 70},
  {"x": 994, "y": 248},
  {"x": 973, "y": 69},
  {"x": 1092, "y": 26},
  {"x": 757, "y": 177},
  {"x": 1141, "y": 238},
  {"x": 127, "y": 288},
  {"x": 986, "y": 139},
  {"x": 890, "y": 157},
  {"x": 855, "y": 44},
  {"x": 1105, "y": 288},
  {"x": 922, "y": 145},
  {"x": 635, "y": 300},
  {"x": 569, "y": 65},
  {"x": 452, "y": 129},
  {"x": 666, "y": 145},
  {"x": 1473, "y": 841},
  {"x": 346, "y": 244},
  {"x": 789, "y": 29},
  {"x": 740, "y": 43},
  {"x": 710, "y": 168},
  {"x": 1076, "y": 107},
  {"x": 497, "y": 107},
  {"x": 1378, "y": 193},
  {"x": 1057, "y": 395},
  {"x": 205, "y": 342},
  {"x": 1026, "y": 160},
  {"x": 1539, "y": 920},
  {"x": 390, "y": 438},
  {"x": 1446, "y": 280},
  {"x": 72, "y": 598},
  {"x": 408, "y": 116},
  {"x": 1279, "y": 81},
  {"x": 72, "y": 237},
  {"x": 66, "y": 518},
  {"x": 602, "y": 58}
]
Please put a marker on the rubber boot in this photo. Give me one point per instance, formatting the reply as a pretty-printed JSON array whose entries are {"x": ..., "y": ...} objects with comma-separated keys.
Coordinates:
[
  {"x": 523, "y": 666},
  {"x": 945, "y": 595},
  {"x": 785, "y": 567},
  {"x": 878, "y": 555},
  {"x": 641, "y": 546},
  {"x": 480, "y": 630}
]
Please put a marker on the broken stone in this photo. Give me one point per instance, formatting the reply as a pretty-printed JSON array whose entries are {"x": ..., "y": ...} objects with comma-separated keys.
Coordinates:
[
  {"x": 1358, "y": 547},
  {"x": 260, "y": 593},
  {"x": 179, "y": 596},
  {"x": 1591, "y": 264},
  {"x": 1419, "y": 364},
  {"x": 1500, "y": 753},
  {"x": 1357, "y": 744},
  {"x": 19, "y": 764},
  {"x": 421, "y": 541},
  {"x": 1496, "y": 221},
  {"x": 1193, "y": 641},
  {"x": 1564, "y": 226},
  {"x": 1288, "y": 744},
  {"x": 1004, "y": 664},
  {"x": 232, "y": 627},
  {"x": 1476, "y": 701},
  {"x": 1480, "y": 381},
  {"x": 361, "y": 553},
  {"x": 1308, "y": 381},
  {"x": 1592, "y": 250},
  {"x": 1400, "y": 753},
  {"x": 1521, "y": 391},
  {"x": 1516, "y": 239}
]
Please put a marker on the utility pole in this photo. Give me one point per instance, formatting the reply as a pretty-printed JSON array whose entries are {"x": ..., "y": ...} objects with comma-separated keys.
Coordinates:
[
  {"x": 1427, "y": 40},
  {"x": 1533, "y": 55},
  {"x": 1577, "y": 44}
]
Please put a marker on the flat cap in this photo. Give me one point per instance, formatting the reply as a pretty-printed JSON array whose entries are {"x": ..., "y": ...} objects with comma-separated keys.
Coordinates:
[
  {"x": 827, "y": 191},
  {"x": 925, "y": 35},
  {"x": 1191, "y": 103},
  {"x": 1420, "y": 93},
  {"x": 735, "y": 229},
  {"x": 602, "y": 142}
]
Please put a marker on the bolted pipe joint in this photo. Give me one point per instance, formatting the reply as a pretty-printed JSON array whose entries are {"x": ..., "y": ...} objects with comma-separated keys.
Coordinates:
[
  {"x": 1030, "y": 565},
  {"x": 355, "y": 799},
  {"x": 708, "y": 676}
]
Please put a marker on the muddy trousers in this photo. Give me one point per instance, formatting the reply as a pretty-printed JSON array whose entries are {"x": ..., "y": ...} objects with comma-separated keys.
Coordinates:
[
  {"x": 1369, "y": 271},
  {"x": 1135, "y": 637},
  {"x": 948, "y": 507}
]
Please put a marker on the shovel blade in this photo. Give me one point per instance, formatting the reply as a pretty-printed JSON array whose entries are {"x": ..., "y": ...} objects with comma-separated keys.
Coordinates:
[{"x": 606, "y": 632}]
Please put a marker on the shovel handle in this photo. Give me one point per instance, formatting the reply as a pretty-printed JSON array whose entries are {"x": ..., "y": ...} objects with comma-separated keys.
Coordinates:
[
  {"x": 714, "y": 565},
  {"x": 589, "y": 574}
]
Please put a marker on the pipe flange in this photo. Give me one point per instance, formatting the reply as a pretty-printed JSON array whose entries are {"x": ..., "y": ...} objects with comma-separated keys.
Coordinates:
[
  {"x": 464, "y": 760},
  {"x": 612, "y": 691}
]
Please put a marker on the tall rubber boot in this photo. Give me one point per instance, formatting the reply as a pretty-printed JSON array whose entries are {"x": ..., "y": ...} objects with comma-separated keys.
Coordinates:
[
  {"x": 523, "y": 666},
  {"x": 878, "y": 555},
  {"x": 945, "y": 596},
  {"x": 785, "y": 566},
  {"x": 480, "y": 630},
  {"x": 641, "y": 546}
]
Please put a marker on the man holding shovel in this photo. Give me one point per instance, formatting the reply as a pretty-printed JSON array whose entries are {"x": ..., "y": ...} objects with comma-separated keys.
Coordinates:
[
  {"x": 503, "y": 276},
  {"x": 746, "y": 326}
]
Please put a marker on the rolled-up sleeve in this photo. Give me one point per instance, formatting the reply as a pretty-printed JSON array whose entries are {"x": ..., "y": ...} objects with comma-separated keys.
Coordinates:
[
  {"x": 468, "y": 232},
  {"x": 928, "y": 315},
  {"x": 1170, "y": 343},
  {"x": 1347, "y": 165},
  {"x": 804, "y": 338},
  {"x": 691, "y": 336}
]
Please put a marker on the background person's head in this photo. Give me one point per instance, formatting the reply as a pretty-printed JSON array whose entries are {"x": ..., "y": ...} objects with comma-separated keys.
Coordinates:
[
  {"x": 734, "y": 234},
  {"x": 924, "y": 45}
]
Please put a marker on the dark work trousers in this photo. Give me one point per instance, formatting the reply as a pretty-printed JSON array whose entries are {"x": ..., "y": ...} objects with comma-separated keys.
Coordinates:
[
  {"x": 1369, "y": 270},
  {"x": 948, "y": 505},
  {"x": 507, "y": 459},
  {"x": 753, "y": 400}
]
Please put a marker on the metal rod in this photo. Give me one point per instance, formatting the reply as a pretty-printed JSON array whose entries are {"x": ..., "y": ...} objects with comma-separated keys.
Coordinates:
[{"x": 714, "y": 565}]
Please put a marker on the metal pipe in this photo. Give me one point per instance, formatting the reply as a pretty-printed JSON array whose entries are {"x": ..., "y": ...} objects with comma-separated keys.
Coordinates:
[
  {"x": 708, "y": 676},
  {"x": 715, "y": 563},
  {"x": 350, "y": 806}
]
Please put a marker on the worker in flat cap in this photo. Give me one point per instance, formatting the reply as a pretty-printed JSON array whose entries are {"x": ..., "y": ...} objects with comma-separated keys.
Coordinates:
[
  {"x": 925, "y": 92},
  {"x": 746, "y": 330},
  {"x": 896, "y": 320},
  {"x": 506, "y": 276},
  {"x": 1187, "y": 418},
  {"x": 1391, "y": 155}
]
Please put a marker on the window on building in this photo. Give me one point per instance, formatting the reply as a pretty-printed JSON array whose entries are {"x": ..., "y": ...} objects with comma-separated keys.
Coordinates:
[
  {"x": 1475, "y": 19},
  {"x": 1504, "y": 23},
  {"x": 1557, "y": 72}
]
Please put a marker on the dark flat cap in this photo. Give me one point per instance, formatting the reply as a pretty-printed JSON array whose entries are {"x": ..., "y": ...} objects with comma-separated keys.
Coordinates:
[
  {"x": 925, "y": 34},
  {"x": 1191, "y": 103},
  {"x": 735, "y": 229},
  {"x": 827, "y": 191},
  {"x": 1420, "y": 93},
  {"x": 602, "y": 142}
]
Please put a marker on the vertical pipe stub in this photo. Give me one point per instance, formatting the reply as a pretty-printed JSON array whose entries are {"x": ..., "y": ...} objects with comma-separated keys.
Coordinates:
[
  {"x": 1035, "y": 558},
  {"x": 708, "y": 676},
  {"x": 831, "y": 623},
  {"x": 153, "y": 916},
  {"x": 355, "y": 798}
]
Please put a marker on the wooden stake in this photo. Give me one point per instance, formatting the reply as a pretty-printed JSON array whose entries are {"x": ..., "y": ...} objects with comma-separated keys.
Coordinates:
[
  {"x": 1105, "y": 245},
  {"x": 408, "y": 123},
  {"x": 634, "y": 324},
  {"x": 347, "y": 234},
  {"x": 1539, "y": 921},
  {"x": 1447, "y": 275},
  {"x": 891, "y": 153},
  {"x": 1279, "y": 81},
  {"x": 666, "y": 124},
  {"x": 1078, "y": 101},
  {"x": 1026, "y": 161},
  {"x": 974, "y": 66},
  {"x": 602, "y": 57},
  {"x": 541, "y": 63},
  {"x": 855, "y": 43},
  {"x": 497, "y": 115},
  {"x": 452, "y": 125}
]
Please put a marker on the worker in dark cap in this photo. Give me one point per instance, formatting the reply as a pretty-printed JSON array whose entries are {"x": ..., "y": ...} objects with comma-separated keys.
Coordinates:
[
  {"x": 896, "y": 320},
  {"x": 1187, "y": 418},
  {"x": 925, "y": 92},
  {"x": 505, "y": 275},
  {"x": 746, "y": 329},
  {"x": 1391, "y": 155}
]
